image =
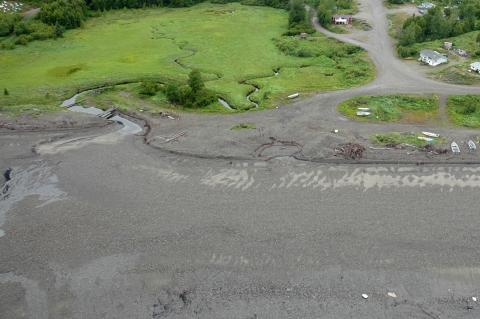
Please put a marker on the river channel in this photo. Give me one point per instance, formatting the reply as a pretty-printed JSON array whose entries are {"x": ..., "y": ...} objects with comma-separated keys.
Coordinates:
[{"x": 128, "y": 126}]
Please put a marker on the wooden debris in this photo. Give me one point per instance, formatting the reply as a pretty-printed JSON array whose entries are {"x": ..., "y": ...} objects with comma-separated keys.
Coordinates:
[
  {"x": 169, "y": 116},
  {"x": 108, "y": 113},
  {"x": 175, "y": 137},
  {"x": 351, "y": 150}
]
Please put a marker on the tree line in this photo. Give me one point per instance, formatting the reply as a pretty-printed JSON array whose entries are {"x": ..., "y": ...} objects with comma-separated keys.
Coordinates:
[
  {"x": 56, "y": 16},
  {"x": 440, "y": 23}
]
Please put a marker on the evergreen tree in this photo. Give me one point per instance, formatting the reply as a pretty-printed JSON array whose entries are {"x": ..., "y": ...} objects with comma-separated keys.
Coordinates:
[
  {"x": 297, "y": 14},
  {"x": 409, "y": 35},
  {"x": 195, "y": 81},
  {"x": 5, "y": 92}
]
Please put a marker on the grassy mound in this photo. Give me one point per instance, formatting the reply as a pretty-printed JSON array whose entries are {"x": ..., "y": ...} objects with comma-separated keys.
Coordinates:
[{"x": 391, "y": 108}]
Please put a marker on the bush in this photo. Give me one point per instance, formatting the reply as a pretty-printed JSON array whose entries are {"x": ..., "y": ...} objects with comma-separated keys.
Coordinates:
[
  {"x": 23, "y": 40},
  {"x": 149, "y": 88},
  {"x": 7, "y": 23},
  {"x": 173, "y": 94}
]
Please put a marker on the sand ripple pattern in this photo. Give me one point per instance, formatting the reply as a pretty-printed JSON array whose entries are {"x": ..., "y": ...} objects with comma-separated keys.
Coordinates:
[{"x": 366, "y": 178}]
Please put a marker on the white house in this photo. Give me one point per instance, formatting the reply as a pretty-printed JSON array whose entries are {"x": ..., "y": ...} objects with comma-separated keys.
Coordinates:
[
  {"x": 433, "y": 58},
  {"x": 475, "y": 66}
]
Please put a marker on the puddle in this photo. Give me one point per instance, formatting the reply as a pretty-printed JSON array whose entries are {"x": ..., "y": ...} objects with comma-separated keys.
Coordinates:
[{"x": 224, "y": 103}]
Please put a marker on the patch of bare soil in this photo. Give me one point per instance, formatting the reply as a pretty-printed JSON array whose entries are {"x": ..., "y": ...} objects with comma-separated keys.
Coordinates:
[{"x": 51, "y": 122}]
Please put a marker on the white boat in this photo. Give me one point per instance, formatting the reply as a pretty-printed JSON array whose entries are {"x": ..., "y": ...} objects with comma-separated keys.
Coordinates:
[
  {"x": 364, "y": 109},
  {"x": 427, "y": 139},
  {"x": 455, "y": 148},
  {"x": 472, "y": 145},
  {"x": 362, "y": 113},
  {"x": 431, "y": 134},
  {"x": 292, "y": 96}
]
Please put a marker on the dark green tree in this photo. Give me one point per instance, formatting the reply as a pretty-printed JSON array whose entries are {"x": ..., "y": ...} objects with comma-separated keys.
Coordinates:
[
  {"x": 458, "y": 29},
  {"x": 5, "y": 92},
  {"x": 439, "y": 28},
  {"x": 195, "y": 81},
  {"x": 478, "y": 38},
  {"x": 172, "y": 93},
  {"x": 59, "y": 30},
  {"x": 409, "y": 35},
  {"x": 297, "y": 14}
]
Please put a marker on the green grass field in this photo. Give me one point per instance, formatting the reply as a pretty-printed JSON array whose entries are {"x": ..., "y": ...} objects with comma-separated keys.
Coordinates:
[
  {"x": 464, "y": 110},
  {"x": 230, "y": 44},
  {"x": 411, "y": 109},
  {"x": 405, "y": 137}
]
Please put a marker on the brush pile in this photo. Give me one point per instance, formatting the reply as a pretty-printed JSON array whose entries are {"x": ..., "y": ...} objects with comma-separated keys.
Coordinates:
[{"x": 350, "y": 151}]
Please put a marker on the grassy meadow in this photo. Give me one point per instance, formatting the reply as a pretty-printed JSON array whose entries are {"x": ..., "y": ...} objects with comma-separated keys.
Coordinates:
[
  {"x": 405, "y": 137},
  {"x": 411, "y": 109},
  {"x": 230, "y": 44},
  {"x": 464, "y": 110}
]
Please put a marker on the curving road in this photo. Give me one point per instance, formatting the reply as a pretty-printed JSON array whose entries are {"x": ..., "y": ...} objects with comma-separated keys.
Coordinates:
[{"x": 393, "y": 74}]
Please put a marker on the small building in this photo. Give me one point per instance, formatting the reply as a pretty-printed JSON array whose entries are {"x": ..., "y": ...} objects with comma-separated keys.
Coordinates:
[
  {"x": 447, "y": 45},
  {"x": 475, "y": 66},
  {"x": 432, "y": 58},
  {"x": 303, "y": 35},
  {"x": 461, "y": 52},
  {"x": 342, "y": 19}
]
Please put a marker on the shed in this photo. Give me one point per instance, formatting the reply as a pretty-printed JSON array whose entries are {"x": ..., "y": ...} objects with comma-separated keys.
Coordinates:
[
  {"x": 342, "y": 19},
  {"x": 432, "y": 58},
  {"x": 447, "y": 45}
]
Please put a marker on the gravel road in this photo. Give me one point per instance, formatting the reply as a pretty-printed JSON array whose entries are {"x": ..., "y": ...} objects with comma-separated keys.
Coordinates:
[{"x": 99, "y": 224}]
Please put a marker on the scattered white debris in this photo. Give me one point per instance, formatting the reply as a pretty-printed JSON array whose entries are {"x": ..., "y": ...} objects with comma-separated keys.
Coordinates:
[
  {"x": 392, "y": 294},
  {"x": 170, "y": 117},
  {"x": 474, "y": 298},
  {"x": 365, "y": 296}
]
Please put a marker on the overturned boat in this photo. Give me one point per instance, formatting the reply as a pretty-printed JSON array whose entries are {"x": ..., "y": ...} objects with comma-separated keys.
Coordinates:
[
  {"x": 455, "y": 148},
  {"x": 472, "y": 145},
  {"x": 431, "y": 134}
]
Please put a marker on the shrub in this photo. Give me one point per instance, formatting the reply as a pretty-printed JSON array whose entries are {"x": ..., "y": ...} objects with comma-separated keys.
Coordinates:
[
  {"x": 149, "y": 88},
  {"x": 172, "y": 93},
  {"x": 23, "y": 40},
  {"x": 5, "y": 92}
]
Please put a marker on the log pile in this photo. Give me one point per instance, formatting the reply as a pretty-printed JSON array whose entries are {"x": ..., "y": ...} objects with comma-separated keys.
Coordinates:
[{"x": 351, "y": 151}]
